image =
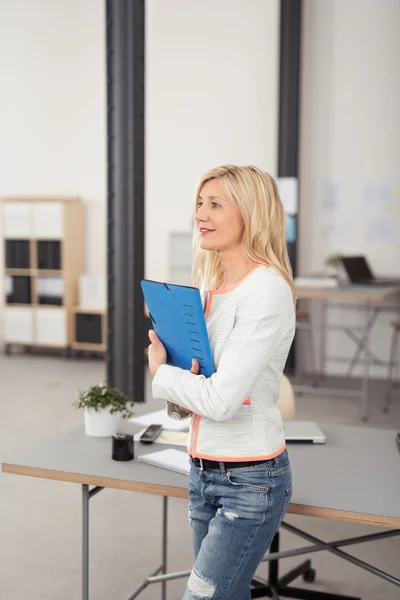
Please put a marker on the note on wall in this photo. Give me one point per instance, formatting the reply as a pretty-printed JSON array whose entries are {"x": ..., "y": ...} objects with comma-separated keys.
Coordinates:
[
  {"x": 330, "y": 196},
  {"x": 381, "y": 229},
  {"x": 340, "y": 231},
  {"x": 379, "y": 197},
  {"x": 288, "y": 192}
]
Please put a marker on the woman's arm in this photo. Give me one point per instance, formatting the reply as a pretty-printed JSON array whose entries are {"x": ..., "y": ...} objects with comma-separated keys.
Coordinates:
[{"x": 262, "y": 322}]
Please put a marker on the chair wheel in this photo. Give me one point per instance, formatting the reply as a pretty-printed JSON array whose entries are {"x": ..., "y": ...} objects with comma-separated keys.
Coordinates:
[{"x": 309, "y": 576}]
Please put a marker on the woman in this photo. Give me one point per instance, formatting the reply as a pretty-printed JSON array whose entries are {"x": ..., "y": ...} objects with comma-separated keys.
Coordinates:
[{"x": 240, "y": 480}]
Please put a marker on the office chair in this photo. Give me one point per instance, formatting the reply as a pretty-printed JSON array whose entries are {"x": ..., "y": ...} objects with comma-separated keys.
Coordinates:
[
  {"x": 306, "y": 358},
  {"x": 287, "y": 407},
  {"x": 286, "y": 401},
  {"x": 393, "y": 363}
]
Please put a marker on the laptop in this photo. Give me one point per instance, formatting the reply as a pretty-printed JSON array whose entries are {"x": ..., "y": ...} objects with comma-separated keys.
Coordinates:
[
  {"x": 303, "y": 431},
  {"x": 359, "y": 271}
]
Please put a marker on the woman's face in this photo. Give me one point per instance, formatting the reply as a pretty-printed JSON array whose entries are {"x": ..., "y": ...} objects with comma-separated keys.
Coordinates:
[{"x": 218, "y": 219}]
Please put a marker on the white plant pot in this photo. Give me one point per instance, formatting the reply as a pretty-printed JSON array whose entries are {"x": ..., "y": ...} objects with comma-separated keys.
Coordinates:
[{"x": 101, "y": 423}]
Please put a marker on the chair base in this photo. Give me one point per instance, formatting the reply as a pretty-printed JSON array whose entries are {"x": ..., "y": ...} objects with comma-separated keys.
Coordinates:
[
  {"x": 279, "y": 587},
  {"x": 277, "y": 592}
]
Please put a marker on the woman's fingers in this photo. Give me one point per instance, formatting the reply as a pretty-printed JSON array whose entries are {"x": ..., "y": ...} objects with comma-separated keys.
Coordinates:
[
  {"x": 195, "y": 367},
  {"x": 153, "y": 336}
]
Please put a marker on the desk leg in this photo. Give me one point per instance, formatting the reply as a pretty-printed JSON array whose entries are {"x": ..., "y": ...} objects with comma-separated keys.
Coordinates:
[
  {"x": 164, "y": 546},
  {"x": 322, "y": 339},
  {"x": 85, "y": 542},
  {"x": 364, "y": 400}
]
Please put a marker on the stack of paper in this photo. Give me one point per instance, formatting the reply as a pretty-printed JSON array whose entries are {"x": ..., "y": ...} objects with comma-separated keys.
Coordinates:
[
  {"x": 311, "y": 281},
  {"x": 171, "y": 459}
]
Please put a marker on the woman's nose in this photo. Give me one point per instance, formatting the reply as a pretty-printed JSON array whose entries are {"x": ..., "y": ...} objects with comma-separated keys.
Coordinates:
[{"x": 201, "y": 214}]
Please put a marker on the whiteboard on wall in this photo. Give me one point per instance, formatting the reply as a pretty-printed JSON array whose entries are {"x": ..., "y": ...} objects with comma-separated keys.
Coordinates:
[{"x": 361, "y": 217}]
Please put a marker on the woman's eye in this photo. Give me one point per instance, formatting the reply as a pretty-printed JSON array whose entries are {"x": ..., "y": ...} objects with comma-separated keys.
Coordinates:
[{"x": 215, "y": 204}]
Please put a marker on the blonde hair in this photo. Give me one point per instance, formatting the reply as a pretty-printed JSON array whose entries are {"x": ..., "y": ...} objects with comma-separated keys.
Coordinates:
[{"x": 256, "y": 195}]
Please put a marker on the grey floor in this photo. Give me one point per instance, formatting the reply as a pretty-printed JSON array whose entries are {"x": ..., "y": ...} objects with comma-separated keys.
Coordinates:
[{"x": 40, "y": 521}]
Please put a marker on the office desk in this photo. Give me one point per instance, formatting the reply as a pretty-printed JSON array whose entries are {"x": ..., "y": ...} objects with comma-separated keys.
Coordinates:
[
  {"x": 373, "y": 300},
  {"x": 353, "y": 477}
]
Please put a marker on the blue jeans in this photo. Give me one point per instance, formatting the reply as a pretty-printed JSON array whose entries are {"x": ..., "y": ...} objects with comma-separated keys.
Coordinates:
[{"x": 234, "y": 516}]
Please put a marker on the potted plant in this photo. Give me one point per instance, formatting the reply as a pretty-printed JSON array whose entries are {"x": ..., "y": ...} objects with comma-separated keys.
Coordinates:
[
  {"x": 104, "y": 407},
  {"x": 333, "y": 262}
]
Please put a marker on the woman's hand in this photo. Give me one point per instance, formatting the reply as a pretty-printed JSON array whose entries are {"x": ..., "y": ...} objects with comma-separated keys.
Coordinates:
[
  {"x": 158, "y": 356},
  {"x": 156, "y": 353}
]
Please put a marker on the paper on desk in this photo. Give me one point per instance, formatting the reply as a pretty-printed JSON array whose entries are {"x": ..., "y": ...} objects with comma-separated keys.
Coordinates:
[
  {"x": 160, "y": 417},
  {"x": 172, "y": 438}
]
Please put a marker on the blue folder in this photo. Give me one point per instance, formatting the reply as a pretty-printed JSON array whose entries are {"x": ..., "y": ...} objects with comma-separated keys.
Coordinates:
[{"x": 177, "y": 315}]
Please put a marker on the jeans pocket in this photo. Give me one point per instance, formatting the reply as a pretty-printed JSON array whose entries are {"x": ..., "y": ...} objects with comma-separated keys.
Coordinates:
[
  {"x": 250, "y": 479},
  {"x": 286, "y": 502}
]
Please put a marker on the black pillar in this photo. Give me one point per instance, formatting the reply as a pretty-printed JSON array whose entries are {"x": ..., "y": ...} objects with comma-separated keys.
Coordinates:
[
  {"x": 289, "y": 108},
  {"x": 125, "y": 37},
  {"x": 289, "y": 96}
]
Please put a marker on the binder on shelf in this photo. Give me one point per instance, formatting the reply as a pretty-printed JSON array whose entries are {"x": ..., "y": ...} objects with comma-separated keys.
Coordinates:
[{"x": 176, "y": 312}]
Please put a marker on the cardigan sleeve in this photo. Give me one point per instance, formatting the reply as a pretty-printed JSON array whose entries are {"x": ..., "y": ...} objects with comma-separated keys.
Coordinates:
[{"x": 263, "y": 319}]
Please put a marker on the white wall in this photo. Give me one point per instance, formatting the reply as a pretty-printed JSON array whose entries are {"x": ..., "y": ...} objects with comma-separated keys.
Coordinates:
[
  {"x": 350, "y": 135},
  {"x": 52, "y": 107},
  {"x": 212, "y": 98}
]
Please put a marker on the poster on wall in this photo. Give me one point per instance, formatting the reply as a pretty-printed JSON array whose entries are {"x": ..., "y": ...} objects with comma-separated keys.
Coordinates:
[{"x": 288, "y": 191}]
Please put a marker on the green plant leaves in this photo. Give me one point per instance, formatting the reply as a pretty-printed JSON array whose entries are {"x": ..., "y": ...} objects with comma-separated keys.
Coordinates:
[{"x": 103, "y": 396}]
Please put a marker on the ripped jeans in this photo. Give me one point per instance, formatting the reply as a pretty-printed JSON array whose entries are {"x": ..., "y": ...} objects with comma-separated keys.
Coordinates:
[{"x": 234, "y": 516}]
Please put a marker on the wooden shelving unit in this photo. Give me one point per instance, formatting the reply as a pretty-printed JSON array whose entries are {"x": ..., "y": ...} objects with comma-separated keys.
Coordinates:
[{"x": 44, "y": 242}]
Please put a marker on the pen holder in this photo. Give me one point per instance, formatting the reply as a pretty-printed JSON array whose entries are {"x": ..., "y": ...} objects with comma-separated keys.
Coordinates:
[{"x": 122, "y": 447}]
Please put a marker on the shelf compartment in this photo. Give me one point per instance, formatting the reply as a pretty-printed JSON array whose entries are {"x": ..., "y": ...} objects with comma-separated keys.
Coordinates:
[
  {"x": 17, "y": 220},
  {"x": 88, "y": 328},
  {"x": 17, "y": 254},
  {"x": 51, "y": 327},
  {"x": 18, "y": 325},
  {"x": 48, "y": 255},
  {"x": 50, "y": 291},
  {"x": 48, "y": 220},
  {"x": 18, "y": 289}
]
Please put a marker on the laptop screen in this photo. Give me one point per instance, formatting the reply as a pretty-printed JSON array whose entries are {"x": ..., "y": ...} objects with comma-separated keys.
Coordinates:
[{"x": 357, "y": 268}]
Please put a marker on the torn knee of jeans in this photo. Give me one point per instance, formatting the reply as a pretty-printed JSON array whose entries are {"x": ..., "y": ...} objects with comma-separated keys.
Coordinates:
[
  {"x": 200, "y": 587},
  {"x": 190, "y": 514},
  {"x": 228, "y": 514}
]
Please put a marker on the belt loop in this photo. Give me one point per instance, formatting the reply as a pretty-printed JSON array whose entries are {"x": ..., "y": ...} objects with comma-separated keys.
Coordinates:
[
  {"x": 201, "y": 464},
  {"x": 222, "y": 468}
]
